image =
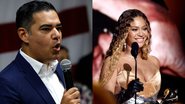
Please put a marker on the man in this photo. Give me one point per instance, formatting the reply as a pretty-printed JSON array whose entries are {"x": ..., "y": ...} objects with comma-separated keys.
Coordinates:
[
  {"x": 35, "y": 77},
  {"x": 85, "y": 91},
  {"x": 63, "y": 54}
]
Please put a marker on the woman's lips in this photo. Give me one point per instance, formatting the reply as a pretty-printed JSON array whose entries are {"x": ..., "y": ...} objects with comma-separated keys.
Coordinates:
[{"x": 140, "y": 40}]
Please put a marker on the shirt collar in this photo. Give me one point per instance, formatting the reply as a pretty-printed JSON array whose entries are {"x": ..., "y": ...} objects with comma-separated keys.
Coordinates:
[
  {"x": 40, "y": 68},
  {"x": 48, "y": 69}
]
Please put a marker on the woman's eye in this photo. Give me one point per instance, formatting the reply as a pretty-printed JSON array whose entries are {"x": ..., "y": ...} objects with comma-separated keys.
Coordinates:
[
  {"x": 134, "y": 29},
  {"x": 145, "y": 29}
]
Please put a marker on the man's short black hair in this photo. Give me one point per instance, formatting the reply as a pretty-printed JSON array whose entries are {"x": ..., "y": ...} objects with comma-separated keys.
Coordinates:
[{"x": 24, "y": 15}]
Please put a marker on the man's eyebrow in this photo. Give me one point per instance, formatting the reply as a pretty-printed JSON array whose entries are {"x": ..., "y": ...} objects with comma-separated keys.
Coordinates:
[
  {"x": 49, "y": 25},
  {"x": 45, "y": 25},
  {"x": 59, "y": 25}
]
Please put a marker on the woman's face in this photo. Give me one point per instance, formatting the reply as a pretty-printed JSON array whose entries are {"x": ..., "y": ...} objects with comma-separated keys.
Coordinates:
[{"x": 138, "y": 32}]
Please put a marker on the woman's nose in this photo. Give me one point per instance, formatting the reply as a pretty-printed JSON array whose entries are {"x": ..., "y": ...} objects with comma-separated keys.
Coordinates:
[{"x": 140, "y": 33}]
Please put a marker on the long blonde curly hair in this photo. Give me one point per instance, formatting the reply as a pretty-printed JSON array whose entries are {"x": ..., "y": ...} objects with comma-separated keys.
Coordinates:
[{"x": 119, "y": 41}]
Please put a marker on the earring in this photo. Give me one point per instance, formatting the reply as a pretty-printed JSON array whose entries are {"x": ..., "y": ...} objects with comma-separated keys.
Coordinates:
[{"x": 125, "y": 45}]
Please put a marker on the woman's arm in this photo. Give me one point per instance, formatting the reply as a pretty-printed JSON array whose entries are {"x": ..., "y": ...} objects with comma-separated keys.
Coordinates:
[{"x": 108, "y": 76}]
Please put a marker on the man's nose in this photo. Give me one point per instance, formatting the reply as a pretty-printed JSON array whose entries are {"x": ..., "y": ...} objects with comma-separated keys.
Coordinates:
[{"x": 57, "y": 34}]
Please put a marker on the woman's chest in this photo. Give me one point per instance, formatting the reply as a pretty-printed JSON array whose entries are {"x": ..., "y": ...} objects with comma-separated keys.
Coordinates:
[{"x": 144, "y": 69}]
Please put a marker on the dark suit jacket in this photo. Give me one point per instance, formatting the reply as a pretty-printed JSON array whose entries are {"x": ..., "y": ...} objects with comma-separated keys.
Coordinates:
[{"x": 20, "y": 84}]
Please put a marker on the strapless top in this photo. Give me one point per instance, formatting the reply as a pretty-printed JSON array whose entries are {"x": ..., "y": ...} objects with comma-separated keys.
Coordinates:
[{"x": 151, "y": 87}]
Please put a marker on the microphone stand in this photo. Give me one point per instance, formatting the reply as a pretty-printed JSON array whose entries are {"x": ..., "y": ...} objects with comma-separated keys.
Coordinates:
[
  {"x": 135, "y": 75},
  {"x": 134, "y": 52}
]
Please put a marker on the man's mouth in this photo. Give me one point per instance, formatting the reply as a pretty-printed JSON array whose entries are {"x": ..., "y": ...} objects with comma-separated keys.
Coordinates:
[{"x": 57, "y": 47}]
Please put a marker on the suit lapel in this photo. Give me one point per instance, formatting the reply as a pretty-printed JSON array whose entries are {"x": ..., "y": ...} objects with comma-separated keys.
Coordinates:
[
  {"x": 34, "y": 79},
  {"x": 60, "y": 75}
]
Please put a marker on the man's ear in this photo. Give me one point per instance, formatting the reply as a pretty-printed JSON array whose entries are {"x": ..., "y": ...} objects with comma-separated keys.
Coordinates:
[{"x": 23, "y": 34}]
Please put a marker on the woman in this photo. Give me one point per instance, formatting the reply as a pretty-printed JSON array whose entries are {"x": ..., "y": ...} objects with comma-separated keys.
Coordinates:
[{"x": 118, "y": 70}]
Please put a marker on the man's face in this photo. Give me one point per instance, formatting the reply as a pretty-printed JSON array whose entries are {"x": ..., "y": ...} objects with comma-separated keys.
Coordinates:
[
  {"x": 45, "y": 36},
  {"x": 63, "y": 55}
]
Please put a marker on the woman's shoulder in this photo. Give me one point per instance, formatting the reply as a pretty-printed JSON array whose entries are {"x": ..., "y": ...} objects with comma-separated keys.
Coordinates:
[
  {"x": 107, "y": 60},
  {"x": 154, "y": 60}
]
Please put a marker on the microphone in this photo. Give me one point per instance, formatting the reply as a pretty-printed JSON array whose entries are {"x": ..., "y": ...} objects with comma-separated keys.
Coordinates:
[
  {"x": 66, "y": 66},
  {"x": 134, "y": 50}
]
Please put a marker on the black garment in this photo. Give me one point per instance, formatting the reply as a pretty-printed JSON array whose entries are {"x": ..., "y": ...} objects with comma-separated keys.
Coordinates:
[
  {"x": 125, "y": 94},
  {"x": 83, "y": 73}
]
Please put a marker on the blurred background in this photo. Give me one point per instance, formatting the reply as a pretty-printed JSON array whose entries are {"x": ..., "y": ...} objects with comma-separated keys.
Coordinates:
[
  {"x": 168, "y": 36},
  {"x": 76, "y": 19}
]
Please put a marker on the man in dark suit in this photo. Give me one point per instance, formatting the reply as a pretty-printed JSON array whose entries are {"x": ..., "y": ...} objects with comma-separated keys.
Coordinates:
[{"x": 35, "y": 77}]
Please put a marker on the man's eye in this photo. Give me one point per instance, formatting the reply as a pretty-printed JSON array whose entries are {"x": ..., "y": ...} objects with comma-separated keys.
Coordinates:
[
  {"x": 59, "y": 28},
  {"x": 46, "y": 29}
]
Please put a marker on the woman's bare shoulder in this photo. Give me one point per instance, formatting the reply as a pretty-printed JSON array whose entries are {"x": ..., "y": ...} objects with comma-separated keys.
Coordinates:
[
  {"x": 154, "y": 60},
  {"x": 106, "y": 63}
]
